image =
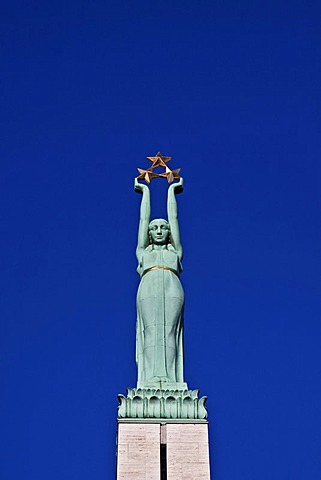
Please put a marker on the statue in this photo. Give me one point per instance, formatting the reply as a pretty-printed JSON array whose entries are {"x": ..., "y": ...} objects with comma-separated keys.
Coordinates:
[
  {"x": 161, "y": 391},
  {"x": 160, "y": 296}
]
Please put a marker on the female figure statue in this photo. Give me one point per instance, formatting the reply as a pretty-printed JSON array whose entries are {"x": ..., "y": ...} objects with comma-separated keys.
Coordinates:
[{"x": 160, "y": 296}]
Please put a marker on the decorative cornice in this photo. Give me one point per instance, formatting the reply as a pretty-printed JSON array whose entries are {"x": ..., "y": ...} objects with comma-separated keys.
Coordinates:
[{"x": 150, "y": 403}]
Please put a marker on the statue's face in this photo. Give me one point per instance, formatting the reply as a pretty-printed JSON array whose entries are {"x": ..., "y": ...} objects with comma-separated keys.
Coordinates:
[{"x": 159, "y": 231}]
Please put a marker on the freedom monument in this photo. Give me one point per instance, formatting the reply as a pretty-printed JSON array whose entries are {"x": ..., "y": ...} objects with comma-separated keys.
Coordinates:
[{"x": 162, "y": 425}]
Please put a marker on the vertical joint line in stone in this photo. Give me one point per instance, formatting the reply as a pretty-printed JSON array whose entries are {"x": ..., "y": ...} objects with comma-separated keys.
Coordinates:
[
  {"x": 163, "y": 434},
  {"x": 163, "y": 462},
  {"x": 163, "y": 452}
]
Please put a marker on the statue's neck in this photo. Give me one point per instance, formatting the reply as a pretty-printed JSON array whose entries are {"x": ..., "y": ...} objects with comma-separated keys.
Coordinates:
[{"x": 159, "y": 247}]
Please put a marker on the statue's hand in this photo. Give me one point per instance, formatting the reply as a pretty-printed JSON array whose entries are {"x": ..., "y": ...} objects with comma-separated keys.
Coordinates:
[
  {"x": 140, "y": 187},
  {"x": 177, "y": 186}
]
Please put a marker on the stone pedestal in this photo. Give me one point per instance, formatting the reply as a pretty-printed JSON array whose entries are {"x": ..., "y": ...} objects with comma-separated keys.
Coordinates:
[
  {"x": 162, "y": 450},
  {"x": 188, "y": 452}
]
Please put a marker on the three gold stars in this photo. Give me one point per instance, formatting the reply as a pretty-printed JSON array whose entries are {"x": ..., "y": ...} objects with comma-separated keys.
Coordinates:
[{"x": 158, "y": 161}]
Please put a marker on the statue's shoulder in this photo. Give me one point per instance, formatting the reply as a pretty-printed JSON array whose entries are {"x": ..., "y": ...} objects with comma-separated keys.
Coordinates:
[{"x": 171, "y": 249}]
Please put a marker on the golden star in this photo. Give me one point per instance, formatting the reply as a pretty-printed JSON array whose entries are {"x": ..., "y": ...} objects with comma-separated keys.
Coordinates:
[
  {"x": 171, "y": 175},
  {"x": 146, "y": 175},
  {"x": 159, "y": 160}
]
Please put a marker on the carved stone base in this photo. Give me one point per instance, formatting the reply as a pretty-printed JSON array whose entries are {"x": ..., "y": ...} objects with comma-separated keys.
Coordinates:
[{"x": 150, "y": 403}]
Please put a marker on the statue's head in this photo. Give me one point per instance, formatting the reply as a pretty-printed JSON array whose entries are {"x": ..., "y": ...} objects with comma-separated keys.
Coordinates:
[{"x": 159, "y": 232}]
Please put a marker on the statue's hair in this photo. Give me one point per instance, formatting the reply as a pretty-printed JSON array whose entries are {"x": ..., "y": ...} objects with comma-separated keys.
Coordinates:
[
  {"x": 157, "y": 219},
  {"x": 163, "y": 220}
]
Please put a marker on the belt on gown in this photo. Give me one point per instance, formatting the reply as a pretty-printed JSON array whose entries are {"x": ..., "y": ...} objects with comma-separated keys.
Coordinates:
[{"x": 160, "y": 268}]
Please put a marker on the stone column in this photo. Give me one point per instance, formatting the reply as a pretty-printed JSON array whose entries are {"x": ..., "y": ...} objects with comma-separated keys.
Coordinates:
[
  {"x": 138, "y": 451},
  {"x": 163, "y": 450},
  {"x": 187, "y": 451}
]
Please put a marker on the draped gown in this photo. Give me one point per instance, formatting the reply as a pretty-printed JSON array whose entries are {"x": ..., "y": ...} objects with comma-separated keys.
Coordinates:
[{"x": 160, "y": 306}]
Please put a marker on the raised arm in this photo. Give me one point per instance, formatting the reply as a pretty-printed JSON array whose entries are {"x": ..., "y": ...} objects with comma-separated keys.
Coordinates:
[
  {"x": 144, "y": 220},
  {"x": 173, "y": 216}
]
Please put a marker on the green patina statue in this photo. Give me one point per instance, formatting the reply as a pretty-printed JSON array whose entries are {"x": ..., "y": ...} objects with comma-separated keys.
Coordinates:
[
  {"x": 161, "y": 392},
  {"x": 160, "y": 296}
]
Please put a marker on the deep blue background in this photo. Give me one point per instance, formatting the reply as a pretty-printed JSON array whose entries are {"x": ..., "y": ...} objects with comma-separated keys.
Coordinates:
[{"x": 231, "y": 90}]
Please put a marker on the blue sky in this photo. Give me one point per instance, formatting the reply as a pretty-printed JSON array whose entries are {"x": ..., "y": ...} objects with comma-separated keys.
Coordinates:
[{"x": 231, "y": 90}]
